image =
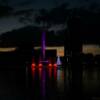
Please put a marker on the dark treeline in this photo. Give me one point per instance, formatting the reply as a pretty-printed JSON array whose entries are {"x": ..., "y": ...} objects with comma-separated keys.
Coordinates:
[{"x": 30, "y": 35}]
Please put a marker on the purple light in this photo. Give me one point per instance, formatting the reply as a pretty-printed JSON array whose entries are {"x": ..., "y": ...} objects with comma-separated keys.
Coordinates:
[
  {"x": 43, "y": 80},
  {"x": 43, "y": 45},
  {"x": 58, "y": 61}
]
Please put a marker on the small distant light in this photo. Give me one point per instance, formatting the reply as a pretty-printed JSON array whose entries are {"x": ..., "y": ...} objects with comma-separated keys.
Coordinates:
[
  {"x": 55, "y": 65},
  {"x": 40, "y": 65},
  {"x": 50, "y": 65},
  {"x": 33, "y": 65}
]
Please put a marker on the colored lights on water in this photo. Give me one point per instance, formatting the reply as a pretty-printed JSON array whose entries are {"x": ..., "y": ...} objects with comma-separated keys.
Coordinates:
[
  {"x": 55, "y": 74},
  {"x": 59, "y": 61},
  {"x": 33, "y": 72},
  {"x": 55, "y": 65},
  {"x": 40, "y": 65},
  {"x": 40, "y": 72},
  {"x": 50, "y": 72},
  {"x": 33, "y": 65},
  {"x": 50, "y": 65},
  {"x": 33, "y": 68}
]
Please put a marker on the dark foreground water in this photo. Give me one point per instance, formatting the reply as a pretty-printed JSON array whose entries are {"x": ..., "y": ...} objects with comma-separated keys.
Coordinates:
[
  {"x": 16, "y": 83},
  {"x": 46, "y": 84}
]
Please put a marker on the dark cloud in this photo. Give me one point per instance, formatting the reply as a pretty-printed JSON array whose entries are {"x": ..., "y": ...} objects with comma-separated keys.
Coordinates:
[
  {"x": 23, "y": 12},
  {"x": 26, "y": 2},
  {"x": 5, "y": 11},
  {"x": 27, "y": 7}
]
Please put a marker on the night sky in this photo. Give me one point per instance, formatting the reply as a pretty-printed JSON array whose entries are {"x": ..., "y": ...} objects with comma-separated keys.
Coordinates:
[{"x": 11, "y": 22}]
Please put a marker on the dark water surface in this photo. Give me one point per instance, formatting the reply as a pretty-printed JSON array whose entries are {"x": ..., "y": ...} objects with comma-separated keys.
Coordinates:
[
  {"x": 47, "y": 84},
  {"x": 16, "y": 83}
]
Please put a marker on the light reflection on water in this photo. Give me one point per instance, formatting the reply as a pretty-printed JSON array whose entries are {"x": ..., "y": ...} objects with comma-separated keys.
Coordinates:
[
  {"x": 43, "y": 81},
  {"x": 12, "y": 78},
  {"x": 54, "y": 76},
  {"x": 50, "y": 72},
  {"x": 91, "y": 81},
  {"x": 60, "y": 80}
]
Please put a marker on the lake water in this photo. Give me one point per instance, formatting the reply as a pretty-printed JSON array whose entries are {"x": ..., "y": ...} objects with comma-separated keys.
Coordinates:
[{"x": 16, "y": 83}]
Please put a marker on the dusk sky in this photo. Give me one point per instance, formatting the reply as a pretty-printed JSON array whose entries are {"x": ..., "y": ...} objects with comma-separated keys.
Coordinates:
[{"x": 11, "y": 22}]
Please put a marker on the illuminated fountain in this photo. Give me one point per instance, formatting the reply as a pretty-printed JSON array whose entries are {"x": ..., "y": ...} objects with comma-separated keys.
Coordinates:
[
  {"x": 43, "y": 45},
  {"x": 42, "y": 59},
  {"x": 43, "y": 49},
  {"x": 58, "y": 61}
]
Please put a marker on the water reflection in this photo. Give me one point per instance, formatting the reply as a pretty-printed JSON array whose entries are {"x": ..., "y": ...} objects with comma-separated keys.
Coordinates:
[
  {"x": 50, "y": 72},
  {"x": 43, "y": 81},
  {"x": 55, "y": 73},
  {"x": 51, "y": 82},
  {"x": 46, "y": 83},
  {"x": 91, "y": 82},
  {"x": 33, "y": 72},
  {"x": 40, "y": 73},
  {"x": 60, "y": 80}
]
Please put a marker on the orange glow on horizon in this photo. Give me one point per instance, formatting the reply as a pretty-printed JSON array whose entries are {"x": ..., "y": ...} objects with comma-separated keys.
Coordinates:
[
  {"x": 60, "y": 50},
  {"x": 9, "y": 49}
]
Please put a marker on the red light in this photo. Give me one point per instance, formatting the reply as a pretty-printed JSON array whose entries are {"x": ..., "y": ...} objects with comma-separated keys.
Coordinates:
[
  {"x": 33, "y": 69},
  {"x": 55, "y": 73},
  {"x": 50, "y": 65},
  {"x": 33, "y": 65},
  {"x": 50, "y": 73},
  {"x": 55, "y": 65},
  {"x": 40, "y": 72},
  {"x": 33, "y": 72},
  {"x": 40, "y": 65}
]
